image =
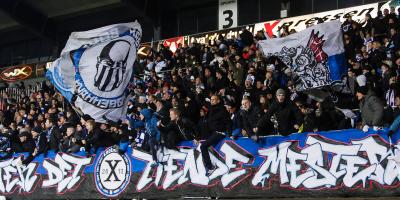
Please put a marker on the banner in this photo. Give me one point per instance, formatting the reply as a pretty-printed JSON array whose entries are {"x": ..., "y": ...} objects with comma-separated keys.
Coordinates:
[
  {"x": 336, "y": 163},
  {"x": 96, "y": 67},
  {"x": 173, "y": 43},
  {"x": 300, "y": 23},
  {"x": 316, "y": 54}
]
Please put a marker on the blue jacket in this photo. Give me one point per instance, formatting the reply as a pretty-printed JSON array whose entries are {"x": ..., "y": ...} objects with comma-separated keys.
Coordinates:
[{"x": 150, "y": 121}]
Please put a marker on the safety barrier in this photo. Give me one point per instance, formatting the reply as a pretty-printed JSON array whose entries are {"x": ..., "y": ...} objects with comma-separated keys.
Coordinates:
[{"x": 335, "y": 163}]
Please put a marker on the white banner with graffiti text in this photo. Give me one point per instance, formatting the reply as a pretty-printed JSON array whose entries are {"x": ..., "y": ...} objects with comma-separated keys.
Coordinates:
[{"x": 335, "y": 163}]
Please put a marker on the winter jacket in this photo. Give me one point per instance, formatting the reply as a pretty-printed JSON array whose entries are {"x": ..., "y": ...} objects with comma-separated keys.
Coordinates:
[
  {"x": 202, "y": 129},
  {"x": 54, "y": 137},
  {"x": 287, "y": 114},
  {"x": 94, "y": 140},
  {"x": 151, "y": 123},
  {"x": 250, "y": 119},
  {"x": 218, "y": 119},
  {"x": 178, "y": 131},
  {"x": 371, "y": 108}
]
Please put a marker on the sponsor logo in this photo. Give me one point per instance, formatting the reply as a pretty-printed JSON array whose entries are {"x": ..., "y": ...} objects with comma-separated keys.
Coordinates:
[
  {"x": 16, "y": 73},
  {"x": 112, "y": 172}
]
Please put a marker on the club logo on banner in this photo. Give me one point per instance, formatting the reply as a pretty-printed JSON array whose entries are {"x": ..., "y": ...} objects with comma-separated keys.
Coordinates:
[
  {"x": 103, "y": 61},
  {"x": 112, "y": 172},
  {"x": 111, "y": 67},
  {"x": 310, "y": 61}
]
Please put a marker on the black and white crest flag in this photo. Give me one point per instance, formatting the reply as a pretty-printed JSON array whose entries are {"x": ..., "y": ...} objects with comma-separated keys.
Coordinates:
[
  {"x": 96, "y": 66},
  {"x": 315, "y": 54}
]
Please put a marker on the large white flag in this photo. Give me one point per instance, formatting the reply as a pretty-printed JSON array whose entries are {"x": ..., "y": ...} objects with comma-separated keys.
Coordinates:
[
  {"x": 315, "y": 54},
  {"x": 95, "y": 68}
]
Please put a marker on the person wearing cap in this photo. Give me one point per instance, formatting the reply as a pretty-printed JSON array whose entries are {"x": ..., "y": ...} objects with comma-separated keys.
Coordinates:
[
  {"x": 39, "y": 140},
  {"x": 371, "y": 108},
  {"x": 26, "y": 145},
  {"x": 286, "y": 114}
]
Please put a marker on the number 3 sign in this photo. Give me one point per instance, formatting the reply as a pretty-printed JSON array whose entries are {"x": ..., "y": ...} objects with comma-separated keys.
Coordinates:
[{"x": 227, "y": 14}]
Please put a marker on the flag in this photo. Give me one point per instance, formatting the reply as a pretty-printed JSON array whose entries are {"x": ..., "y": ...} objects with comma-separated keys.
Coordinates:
[
  {"x": 315, "y": 54},
  {"x": 95, "y": 67}
]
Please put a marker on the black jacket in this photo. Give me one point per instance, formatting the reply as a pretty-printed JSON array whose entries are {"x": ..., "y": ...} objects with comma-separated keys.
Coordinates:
[
  {"x": 218, "y": 119},
  {"x": 163, "y": 115},
  {"x": 94, "y": 140},
  {"x": 287, "y": 114},
  {"x": 203, "y": 131},
  {"x": 40, "y": 142},
  {"x": 176, "y": 132},
  {"x": 55, "y": 138},
  {"x": 250, "y": 119}
]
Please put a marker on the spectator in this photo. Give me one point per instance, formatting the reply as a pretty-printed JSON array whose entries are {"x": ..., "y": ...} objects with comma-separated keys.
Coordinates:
[
  {"x": 310, "y": 120},
  {"x": 219, "y": 125},
  {"x": 234, "y": 69},
  {"x": 202, "y": 127},
  {"x": 371, "y": 109},
  {"x": 70, "y": 143},
  {"x": 53, "y": 134},
  {"x": 177, "y": 130},
  {"x": 93, "y": 139},
  {"x": 250, "y": 116},
  {"x": 27, "y": 145},
  {"x": 287, "y": 115},
  {"x": 151, "y": 122}
]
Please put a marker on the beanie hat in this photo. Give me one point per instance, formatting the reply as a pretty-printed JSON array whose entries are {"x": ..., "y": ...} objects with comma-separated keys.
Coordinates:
[
  {"x": 86, "y": 117},
  {"x": 37, "y": 129},
  {"x": 280, "y": 92},
  {"x": 361, "y": 80},
  {"x": 363, "y": 90}
]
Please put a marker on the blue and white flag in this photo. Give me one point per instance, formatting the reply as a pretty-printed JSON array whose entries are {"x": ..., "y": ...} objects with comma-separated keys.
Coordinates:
[
  {"x": 96, "y": 67},
  {"x": 316, "y": 54}
]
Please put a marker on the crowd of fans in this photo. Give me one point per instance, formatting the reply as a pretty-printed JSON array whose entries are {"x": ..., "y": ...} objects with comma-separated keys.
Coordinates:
[{"x": 207, "y": 92}]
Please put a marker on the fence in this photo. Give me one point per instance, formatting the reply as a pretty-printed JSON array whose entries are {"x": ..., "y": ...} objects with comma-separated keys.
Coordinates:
[{"x": 15, "y": 94}]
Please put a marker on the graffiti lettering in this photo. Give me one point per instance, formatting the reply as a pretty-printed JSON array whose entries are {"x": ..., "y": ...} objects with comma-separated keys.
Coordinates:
[
  {"x": 186, "y": 165},
  {"x": 15, "y": 176},
  {"x": 65, "y": 172},
  {"x": 353, "y": 165}
]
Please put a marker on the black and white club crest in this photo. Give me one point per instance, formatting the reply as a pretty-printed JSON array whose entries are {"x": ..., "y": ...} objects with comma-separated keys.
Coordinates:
[{"x": 111, "y": 65}]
